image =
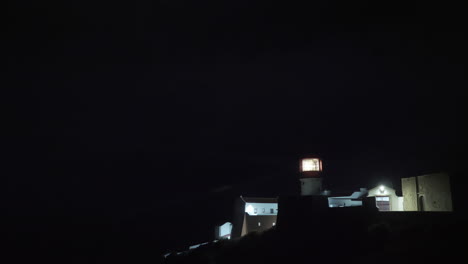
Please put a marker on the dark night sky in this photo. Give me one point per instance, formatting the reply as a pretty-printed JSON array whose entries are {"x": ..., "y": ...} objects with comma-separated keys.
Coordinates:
[{"x": 132, "y": 113}]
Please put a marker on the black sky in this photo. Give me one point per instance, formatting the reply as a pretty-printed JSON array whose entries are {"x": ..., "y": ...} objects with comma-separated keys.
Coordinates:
[{"x": 128, "y": 110}]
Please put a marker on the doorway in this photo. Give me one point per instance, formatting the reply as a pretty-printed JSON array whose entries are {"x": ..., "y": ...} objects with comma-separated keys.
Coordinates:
[{"x": 383, "y": 203}]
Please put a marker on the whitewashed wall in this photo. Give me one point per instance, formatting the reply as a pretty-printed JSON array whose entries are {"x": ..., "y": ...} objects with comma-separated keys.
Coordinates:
[{"x": 261, "y": 208}]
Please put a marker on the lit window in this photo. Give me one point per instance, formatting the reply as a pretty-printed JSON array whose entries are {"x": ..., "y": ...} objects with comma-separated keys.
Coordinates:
[
  {"x": 383, "y": 198},
  {"x": 310, "y": 165},
  {"x": 255, "y": 210},
  {"x": 274, "y": 223},
  {"x": 263, "y": 210},
  {"x": 259, "y": 224}
]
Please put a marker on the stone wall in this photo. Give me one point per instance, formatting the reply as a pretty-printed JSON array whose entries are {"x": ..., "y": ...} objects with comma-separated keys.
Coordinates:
[
  {"x": 434, "y": 193},
  {"x": 410, "y": 198}
]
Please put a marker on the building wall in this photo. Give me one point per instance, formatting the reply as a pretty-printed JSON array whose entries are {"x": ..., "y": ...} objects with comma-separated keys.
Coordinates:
[
  {"x": 435, "y": 192},
  {"x": 244, "y": 226},
  {"x": 410, "y": 199},
  {"x": 394, "y": 202},
  {"x": 257, "y": 223},
  {"x": 224, "y": 231},
  {"x": 343, "y": 202},
  {"x": 261, "y": 208},
  {"x": 238, "y": 219},
  {"x": 247, "y": 207},
  {"x": 400, "y": 205}
]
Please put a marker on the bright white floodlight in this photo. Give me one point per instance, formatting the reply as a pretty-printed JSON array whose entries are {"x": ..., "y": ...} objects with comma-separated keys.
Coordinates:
[{"x": 382, "y": 188}]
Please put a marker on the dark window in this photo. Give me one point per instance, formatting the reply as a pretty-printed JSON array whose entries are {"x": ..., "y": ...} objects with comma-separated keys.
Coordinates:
[
  {"x": 255, "y": 210},
  {"x": 263, "y": 210},
  {"x": 272, "y": 211}
]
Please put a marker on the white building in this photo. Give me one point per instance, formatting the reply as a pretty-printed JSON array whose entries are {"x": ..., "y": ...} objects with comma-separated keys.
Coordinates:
[
  {"x": 354, "y": 199},
  {"x": 254, "y": 214},
  {"x": 223, "y": 231},
  {"x": 386, "y": 198}
]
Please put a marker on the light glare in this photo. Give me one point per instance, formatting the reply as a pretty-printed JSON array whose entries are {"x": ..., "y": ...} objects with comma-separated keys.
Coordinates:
[
  {"x": 249, "y": 209},
  {"x": 310, "y": 165}
]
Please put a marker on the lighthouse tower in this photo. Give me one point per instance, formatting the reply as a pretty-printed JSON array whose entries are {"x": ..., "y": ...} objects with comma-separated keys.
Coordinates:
[{"x": 311, "y": 181}]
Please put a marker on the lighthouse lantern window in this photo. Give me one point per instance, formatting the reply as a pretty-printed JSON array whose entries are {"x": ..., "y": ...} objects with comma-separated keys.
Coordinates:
[{"x": 311, "y": 165}]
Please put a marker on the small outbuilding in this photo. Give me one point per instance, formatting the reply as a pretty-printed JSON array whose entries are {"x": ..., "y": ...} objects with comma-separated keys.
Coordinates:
[
  {"x": 386, "y": 198},
  {"x": 253, "y": 214}
]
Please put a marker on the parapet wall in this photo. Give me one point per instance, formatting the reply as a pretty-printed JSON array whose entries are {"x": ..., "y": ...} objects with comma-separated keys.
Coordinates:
[{"x": 431, "y": 192}]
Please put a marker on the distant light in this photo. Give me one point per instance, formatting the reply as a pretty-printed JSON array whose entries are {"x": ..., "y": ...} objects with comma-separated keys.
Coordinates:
[{"x": 311, "y": 165}]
